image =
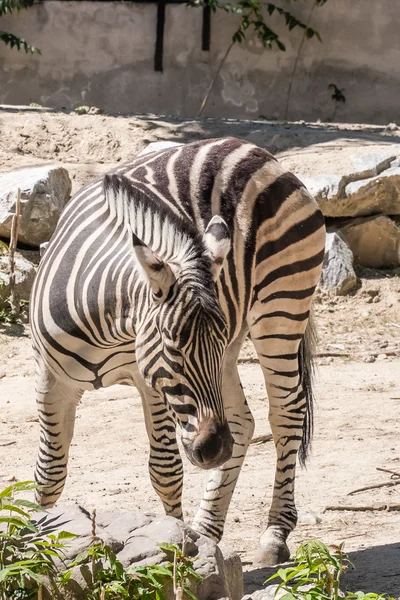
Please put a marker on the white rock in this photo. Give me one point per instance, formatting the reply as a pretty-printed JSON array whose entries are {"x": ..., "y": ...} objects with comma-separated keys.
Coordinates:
[
  {"x": 337, "y": 275},
  {"x": 156, "y": 146},
  {"x": 308, "y": 519},
  {"x": 366, "y": 183},
  {"x": 44, "y": 193}
]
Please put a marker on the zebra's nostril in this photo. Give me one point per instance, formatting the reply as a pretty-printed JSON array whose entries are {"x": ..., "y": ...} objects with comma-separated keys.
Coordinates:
[{"x": 197, "y": 455}]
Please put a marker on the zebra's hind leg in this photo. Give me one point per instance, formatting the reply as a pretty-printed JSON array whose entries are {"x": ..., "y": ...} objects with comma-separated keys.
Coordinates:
[
  {"x": 210, "y": 518},
  {"x": 56, "y": 404},
  {"x": 165, "y": 463},
  {"x": 277, "y": 346}
]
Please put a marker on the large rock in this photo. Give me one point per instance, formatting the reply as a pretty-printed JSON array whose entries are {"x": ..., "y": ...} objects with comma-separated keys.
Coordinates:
[
  {"x": 352, "y": 183},
  {"x": 337, "y": 275},
  {"x": 24, "y": 277},
  {"x": 44, "y": 193},
  {"x": 374, "y": 241},
  {"x": 134, "y": 538}
]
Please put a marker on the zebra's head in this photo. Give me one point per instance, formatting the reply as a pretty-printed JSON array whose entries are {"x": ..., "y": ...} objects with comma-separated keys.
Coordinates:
[{"x": 182, "y": 337}]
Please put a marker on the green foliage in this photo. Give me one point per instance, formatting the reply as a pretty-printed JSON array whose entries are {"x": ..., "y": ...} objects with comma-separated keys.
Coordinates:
[
  {"x": 111, "y": 581},
  {"x": 253, "y": 18},
  {"x": 28, "y": 547},
  {"x": 316, "y": 575},
  {"x": 9, "y": 39},
  {"x": 8, "y": 317}
]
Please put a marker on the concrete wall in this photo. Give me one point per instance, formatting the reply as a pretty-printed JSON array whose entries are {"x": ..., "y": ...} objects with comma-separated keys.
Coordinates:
[{"x": 102, "y": 53}]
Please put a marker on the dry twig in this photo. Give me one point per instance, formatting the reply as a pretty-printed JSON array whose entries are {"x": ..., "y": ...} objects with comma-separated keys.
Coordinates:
[
  {"x": 395, "y": 473},
  {"x": 14, "y": 299},
  {"x": 261, "y": 439},
  {"x": 8, "y": 443},
  {"x": 375, "y": 487},
  {"x": 365, "y": 508}
]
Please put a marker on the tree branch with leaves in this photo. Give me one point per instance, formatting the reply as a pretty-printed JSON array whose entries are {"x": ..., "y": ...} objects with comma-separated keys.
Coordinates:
[
  {"x": 255, "y": 16},
  {"x": 9, "y": 39}
]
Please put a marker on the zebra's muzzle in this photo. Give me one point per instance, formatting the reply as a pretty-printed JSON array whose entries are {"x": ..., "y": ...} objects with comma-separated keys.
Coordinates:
[{"x": 211, "y": 447}]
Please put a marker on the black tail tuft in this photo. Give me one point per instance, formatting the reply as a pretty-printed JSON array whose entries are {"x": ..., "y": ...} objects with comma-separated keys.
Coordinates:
[{"x": 306, "y": 369}]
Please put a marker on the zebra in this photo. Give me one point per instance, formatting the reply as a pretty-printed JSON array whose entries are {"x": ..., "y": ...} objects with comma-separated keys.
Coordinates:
[{"x": 154, "y": 277}]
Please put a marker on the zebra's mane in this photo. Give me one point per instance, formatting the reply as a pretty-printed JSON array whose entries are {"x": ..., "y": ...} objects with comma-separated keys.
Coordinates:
[{"x": 172, "y": 238}]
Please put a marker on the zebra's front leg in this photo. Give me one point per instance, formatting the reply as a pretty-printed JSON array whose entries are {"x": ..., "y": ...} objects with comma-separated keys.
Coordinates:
[
  {"x": 56, "y": 403},
  {"x": 165, "y": 463},
  {"x": 210, "y": 517}
]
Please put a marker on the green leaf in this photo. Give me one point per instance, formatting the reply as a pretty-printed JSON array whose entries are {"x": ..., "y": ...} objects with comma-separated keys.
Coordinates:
[
  {"x": 13, "y": 41},
  {"x": 30, "y": 505}
]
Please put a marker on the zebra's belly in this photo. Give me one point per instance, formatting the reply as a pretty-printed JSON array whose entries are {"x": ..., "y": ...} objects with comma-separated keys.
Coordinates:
[{"x": 87, "y": 367}]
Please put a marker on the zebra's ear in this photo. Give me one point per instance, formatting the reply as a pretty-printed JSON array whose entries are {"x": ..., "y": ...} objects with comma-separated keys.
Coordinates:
[
  {"x": 217, "y": 240},
  {"x": 155, "y": 272}
]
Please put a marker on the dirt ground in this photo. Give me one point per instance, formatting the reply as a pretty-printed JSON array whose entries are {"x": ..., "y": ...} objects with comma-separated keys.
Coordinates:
[{"x": 357, "y": 382}]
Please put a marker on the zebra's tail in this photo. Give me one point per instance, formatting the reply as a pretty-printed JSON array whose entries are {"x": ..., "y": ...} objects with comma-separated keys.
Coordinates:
[{"x": 306, "y": 369}]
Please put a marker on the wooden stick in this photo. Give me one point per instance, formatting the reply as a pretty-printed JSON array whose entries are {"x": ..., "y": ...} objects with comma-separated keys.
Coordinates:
[
  {"x": 8, "y": 443},
  {"x": 395, "y": 324},
  {"x": 261, "y": 439},
  {"x": 388, "y": 471},
  {"x": 327, "y": 354},
  {"x": 14, "y": 299},
  {"x": 387, "y": 507},
  {"x": 214, "y": 79},
  {"x": 374, "y": 487}
]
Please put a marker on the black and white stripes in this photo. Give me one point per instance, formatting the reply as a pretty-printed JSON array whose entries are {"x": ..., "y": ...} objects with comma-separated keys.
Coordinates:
[{"x": 153, "y": 277}]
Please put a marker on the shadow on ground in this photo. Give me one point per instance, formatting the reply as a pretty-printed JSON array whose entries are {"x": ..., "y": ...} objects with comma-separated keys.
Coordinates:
[
  {"x": 377, "y": 569},
  {"x": 276, "y": 136}
]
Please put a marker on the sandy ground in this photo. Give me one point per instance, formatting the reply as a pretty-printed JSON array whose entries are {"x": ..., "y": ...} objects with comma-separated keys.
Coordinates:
[
  {"x": 358, "y": 384},
  {"x": 90, "y": 145},
  {"x": 357, "y": 424}
]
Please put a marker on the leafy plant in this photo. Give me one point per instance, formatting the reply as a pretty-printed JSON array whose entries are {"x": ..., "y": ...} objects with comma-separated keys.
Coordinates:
[
  {"x": 8, "y": 317},
  {"x": 111, "y": 581},
  {"x": 28, "y": 548},
  {"x": 7, "y": 7},
  {"x": 316, "y": 575},
  {"x": 30, "y": 551}
]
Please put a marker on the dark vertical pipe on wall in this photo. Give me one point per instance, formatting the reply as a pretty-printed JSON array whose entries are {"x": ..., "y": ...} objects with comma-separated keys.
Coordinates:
[
  {"x": 206, "y": 33},
  {"x": 158, "y": 57}
]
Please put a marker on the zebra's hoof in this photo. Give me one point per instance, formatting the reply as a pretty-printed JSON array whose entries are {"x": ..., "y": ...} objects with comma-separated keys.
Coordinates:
[{"x": 271, "y": 554}]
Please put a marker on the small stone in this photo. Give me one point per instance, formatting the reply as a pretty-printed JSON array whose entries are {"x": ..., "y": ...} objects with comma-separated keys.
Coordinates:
[
  {"x": 392, "y": 127},
  {"x": 370, "y": 359},
  {"x": 381, "y": 357},
  {"x": 384, "y": 344},
  {"x": 376, "y": 300},
  {"x": 309, "y": 519}
]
